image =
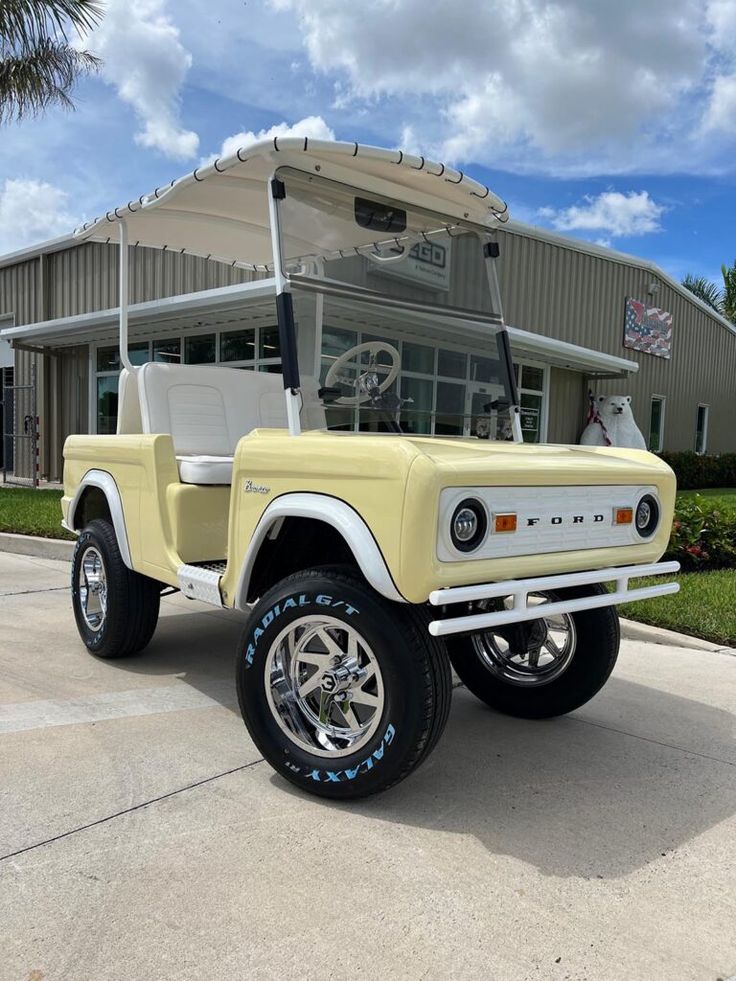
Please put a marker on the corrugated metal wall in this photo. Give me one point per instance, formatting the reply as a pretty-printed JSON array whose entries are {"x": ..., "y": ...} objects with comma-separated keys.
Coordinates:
[
  {"x": 79, "y": 280},
  {"x": 580, "y": 298},
  {"x": 547, "y": 288},
  {"x": 85, "y": 278}
]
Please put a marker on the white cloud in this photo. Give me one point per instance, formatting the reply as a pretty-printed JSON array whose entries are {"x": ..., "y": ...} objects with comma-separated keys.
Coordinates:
[
  {"x": 612, "y": 212},
  {"x": 721, "y": 18},
  {"x": 313, "y": 127},
  {"x": 32, "y": 211},
  {"x": 569, "y": 86},
  {"x": 145, "y": 60},
  {"x": 721, "y": 114}
]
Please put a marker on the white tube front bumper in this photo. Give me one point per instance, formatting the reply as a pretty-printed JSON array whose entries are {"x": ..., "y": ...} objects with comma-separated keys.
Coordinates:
[{"x": 519, "y": 590}]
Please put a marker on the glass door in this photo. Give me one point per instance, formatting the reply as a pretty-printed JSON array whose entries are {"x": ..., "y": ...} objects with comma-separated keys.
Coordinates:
[{"x": 482, "y": 418}]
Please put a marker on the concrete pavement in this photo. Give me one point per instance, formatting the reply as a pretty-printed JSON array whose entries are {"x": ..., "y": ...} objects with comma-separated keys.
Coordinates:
[{"x": 146, "y": 839}]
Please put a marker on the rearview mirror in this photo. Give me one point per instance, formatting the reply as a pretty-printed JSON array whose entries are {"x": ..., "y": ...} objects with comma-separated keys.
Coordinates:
[{"x": 379, "y": 217}]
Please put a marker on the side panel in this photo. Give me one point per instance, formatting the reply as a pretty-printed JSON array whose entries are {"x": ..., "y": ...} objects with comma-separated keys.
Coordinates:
[
  {"x": 142, "y": 468},
  {"x": 367, "y": 473}
]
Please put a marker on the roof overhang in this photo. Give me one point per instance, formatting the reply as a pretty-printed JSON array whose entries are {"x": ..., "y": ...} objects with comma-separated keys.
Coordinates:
[
  {"x": 215, "y": 307},
  {"x": 253, "y": 302},
  {"x": 560, "y": 354},
  {"x": 220, "y": 211}
]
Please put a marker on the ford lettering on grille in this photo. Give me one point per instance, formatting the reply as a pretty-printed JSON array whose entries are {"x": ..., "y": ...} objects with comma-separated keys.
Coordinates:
[{"x": 549, "y": 519}]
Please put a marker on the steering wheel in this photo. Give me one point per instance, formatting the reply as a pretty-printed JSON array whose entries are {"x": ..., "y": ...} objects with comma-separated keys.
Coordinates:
[{"x": 366, "y": 384}]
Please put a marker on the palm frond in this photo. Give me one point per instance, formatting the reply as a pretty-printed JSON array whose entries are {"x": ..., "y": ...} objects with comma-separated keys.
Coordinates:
[
  {"x": 25, "y": 23},
  {"x": 705, "y": 290},
  {"x": 42, "y": 77},
  {"x": 729, "y": 291}
]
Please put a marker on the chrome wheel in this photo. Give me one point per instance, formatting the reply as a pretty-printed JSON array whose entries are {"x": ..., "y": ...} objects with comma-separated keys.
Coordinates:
[
  {"x": 532, "y": 653},
  {"x": 324, "y": 686},
  {"x": 92, "y": 588}
]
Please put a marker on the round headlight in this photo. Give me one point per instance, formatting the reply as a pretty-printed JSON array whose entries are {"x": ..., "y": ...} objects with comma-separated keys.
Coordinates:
[
  {"x": 646, "y": 517},
  {"x": 468, "y": 525}
]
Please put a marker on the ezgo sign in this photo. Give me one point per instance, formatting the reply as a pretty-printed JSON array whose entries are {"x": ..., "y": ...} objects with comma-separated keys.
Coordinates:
[{"x": 428, "y": 263}]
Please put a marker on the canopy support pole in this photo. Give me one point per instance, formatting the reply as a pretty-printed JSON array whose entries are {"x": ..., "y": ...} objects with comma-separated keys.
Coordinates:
[
  {"x": 491, "y": 252},
  {"x": 123, "y": 299},
  {"x": 284, "y": 312}
]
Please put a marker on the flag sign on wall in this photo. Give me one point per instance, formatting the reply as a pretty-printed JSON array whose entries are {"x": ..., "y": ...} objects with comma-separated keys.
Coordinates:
[{"x": 647, "y": 329}]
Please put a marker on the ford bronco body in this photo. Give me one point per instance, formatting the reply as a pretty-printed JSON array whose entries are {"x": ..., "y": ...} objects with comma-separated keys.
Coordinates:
[{"x": 368, "y": 555}]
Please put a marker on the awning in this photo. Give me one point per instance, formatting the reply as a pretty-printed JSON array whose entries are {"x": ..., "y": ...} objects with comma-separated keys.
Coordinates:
[{"x": 253, "y": 303}]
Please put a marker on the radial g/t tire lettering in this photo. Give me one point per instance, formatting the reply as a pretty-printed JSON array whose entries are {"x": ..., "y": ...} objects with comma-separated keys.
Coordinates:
[{"x": 343, "y": 692}]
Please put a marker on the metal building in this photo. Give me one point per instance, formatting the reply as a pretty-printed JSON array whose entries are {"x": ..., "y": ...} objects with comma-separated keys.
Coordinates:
[{"x": 571, "y": 309}]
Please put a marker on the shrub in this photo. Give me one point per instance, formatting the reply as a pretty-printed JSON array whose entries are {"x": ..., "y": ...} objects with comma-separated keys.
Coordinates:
[
  {"x": 703, "y": 535},
  {"x": 694, "y": 470}
]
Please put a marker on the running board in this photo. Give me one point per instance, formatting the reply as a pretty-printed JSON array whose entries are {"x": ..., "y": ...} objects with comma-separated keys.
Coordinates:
[
  {"x": 519, "y": 590},
  {"x": 201, "y": 581}
]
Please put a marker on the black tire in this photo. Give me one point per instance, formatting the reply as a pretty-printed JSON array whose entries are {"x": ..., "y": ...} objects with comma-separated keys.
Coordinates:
[
  {"x": 132, "y": 600},
  {"x": 413, "y": 667},
  {"x": 596, "y": 649}
]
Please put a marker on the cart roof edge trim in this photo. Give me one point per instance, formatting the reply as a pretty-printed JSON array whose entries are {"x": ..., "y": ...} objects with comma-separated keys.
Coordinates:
[{"x": 190, "y": 214}]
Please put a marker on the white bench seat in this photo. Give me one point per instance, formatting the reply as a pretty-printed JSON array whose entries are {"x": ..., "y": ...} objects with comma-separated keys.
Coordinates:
[
  {"x": 203, "y": 469},
  {"x": 207, "y": 410}
]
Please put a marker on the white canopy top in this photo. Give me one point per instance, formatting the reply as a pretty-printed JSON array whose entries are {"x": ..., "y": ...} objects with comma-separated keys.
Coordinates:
[{"x": 221, "y": 211}]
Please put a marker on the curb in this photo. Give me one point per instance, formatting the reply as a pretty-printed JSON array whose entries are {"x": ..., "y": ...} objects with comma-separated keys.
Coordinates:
[
  {"x": 631, "y": 630},
  {"x": 56, "y": 548},
  {"x": 40, "y": 548}
]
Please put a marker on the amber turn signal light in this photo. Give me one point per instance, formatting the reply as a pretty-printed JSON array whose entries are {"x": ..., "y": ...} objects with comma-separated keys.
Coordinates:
[
  {"x": 504, "y": 522},
  {"x": 623, "y": 516}
]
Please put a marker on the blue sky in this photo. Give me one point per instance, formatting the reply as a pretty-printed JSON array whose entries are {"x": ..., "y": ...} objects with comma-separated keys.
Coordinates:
[{"x": 611, "y": 121}]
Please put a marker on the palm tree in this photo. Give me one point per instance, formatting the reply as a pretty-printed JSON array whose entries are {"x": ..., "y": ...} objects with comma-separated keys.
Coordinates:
[
  {"x": 729, "y": 292},
  {"x": 38, "y": 63},
  {"x": 705, "y": 290}
]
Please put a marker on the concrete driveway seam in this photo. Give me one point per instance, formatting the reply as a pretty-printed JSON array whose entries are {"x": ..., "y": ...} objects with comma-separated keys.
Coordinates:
[
  {"x": 655, "y": 742},
  {"x": 130, "y": 810}
]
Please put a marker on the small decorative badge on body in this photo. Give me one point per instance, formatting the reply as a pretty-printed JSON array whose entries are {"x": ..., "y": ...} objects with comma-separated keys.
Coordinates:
[{"x": 250, "y": 488}]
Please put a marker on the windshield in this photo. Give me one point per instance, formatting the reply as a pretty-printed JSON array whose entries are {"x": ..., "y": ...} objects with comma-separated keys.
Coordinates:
[
  {"x": 345, "y": 235},
  {"x": 387, "y": 371},
  {"x": 405, "y": 338}
]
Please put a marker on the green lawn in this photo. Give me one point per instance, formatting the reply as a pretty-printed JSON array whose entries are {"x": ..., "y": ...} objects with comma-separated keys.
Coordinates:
[
  {"x": 705, "y": 606},
  {"x": 722, "y": 497},
  {"x": 31, "y": 512}
]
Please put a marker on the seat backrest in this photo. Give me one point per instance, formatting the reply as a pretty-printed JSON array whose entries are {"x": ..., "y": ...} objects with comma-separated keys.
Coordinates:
[
  {"x": 129, "y": 406},
  {"x": 207, "y": 409}
]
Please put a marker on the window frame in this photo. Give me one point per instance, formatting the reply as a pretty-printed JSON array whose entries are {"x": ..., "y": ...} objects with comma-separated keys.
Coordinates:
[
  {"x": 706, "y": 418},
  {"x": 662, "y": 399}
]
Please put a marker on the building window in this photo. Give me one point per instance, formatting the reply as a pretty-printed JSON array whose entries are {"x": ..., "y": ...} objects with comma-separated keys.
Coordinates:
[
  {"x": 200, "y": 349},
  {"x": 238, "y": 345},
  {"x": 530, "y": 380},
  {"x": 656, "y": 424},
  {"x": 701, "y": 429},
  {"x": 444, "y": 391},
  {"x": 105, "y": 398},
  {"x": 167, "y": 351}
]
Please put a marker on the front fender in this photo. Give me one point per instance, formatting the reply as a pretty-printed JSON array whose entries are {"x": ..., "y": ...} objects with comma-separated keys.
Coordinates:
[{"x": 342, "y": 517}]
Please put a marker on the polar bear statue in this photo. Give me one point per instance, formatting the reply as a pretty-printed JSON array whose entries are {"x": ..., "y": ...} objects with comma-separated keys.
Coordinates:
[{"x": 612, "y": 424}]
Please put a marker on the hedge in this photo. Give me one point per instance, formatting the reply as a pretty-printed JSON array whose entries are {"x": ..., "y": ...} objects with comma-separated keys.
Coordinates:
[
  {"x": 703, "y": 535},
  {"x": 695, "y": 470}
]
